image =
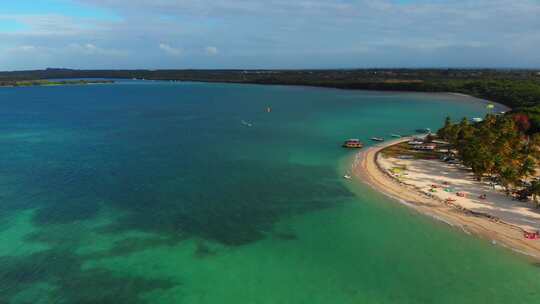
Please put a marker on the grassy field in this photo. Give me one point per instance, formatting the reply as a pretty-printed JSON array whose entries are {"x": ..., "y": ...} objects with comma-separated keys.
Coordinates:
[{"x": 404, "y": 149}]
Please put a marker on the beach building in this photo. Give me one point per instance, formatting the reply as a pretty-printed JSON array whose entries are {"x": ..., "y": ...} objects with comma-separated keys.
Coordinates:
[
  {"x": 426, "y": 147},
  {"x": 440, "y": 142}
]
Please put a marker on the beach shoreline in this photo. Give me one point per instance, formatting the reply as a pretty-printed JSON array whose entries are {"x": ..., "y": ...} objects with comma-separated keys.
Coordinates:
[
  {"x": 367, "y": 168},
  {"x": 497, "y": 105}
]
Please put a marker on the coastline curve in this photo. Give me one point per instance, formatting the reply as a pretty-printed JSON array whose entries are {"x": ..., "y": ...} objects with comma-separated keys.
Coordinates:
[{"x": 367, "y": 168}]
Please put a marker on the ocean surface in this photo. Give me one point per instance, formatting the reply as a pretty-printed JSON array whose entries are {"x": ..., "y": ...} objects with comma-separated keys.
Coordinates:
[{"x": 160, "y": 192}]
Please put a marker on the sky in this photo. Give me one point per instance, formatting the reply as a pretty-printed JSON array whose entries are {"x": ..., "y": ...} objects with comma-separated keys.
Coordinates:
[{"x": 250, "y": 34}]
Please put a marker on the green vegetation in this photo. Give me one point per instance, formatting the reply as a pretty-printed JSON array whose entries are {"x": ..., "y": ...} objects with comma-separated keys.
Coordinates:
[
  {"x": 29, "y": 83},
  {"x": 513, "y": 93},
  {"x": 514, "y": 88},
  {"x": 502, "y": 148},
  {"x": 404, "y": 149}
]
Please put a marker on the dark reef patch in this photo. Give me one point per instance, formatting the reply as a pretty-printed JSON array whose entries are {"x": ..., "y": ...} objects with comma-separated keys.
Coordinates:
[
  {"x": 177, "y": 166},
  {"x": 132, "y": 245},
  {"x": 203, "y": 250},
  {"x": 63, "y": 270},
  {"x": 211, "y": 208},
  {"x": 68, "y": 211},
  {"x": 286, "y": 236}
]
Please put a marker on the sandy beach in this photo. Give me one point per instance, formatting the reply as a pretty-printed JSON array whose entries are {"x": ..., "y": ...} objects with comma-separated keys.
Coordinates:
[{"x": 496, "y": 219}]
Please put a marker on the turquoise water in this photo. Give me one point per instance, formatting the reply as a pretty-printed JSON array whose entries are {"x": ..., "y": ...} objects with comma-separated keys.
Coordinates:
[{"x": 155, "y": 192}]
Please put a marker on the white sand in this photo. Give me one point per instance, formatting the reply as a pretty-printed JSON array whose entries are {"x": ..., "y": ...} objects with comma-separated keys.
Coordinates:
[
  {"x": 512, "y": 217},
  {"x": 421, "y": 174}
]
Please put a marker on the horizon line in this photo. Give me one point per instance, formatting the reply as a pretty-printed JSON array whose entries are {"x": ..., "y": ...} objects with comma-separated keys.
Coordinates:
[{"x": 277, "y": 69}]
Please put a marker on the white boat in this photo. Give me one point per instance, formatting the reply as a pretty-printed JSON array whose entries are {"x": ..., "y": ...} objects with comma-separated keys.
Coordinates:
[
  {"x": 425, "y": 130},
  {"x": 477, "y": 119},
  {"x": 395, "y": 135},
  {"x": 245, "y": 123},
  {"x": 347, "y": 176},
  {"x": 377, "y": 139}
]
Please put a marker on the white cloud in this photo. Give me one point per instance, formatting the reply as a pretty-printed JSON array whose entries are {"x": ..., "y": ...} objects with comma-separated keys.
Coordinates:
[
  {"x": 26, "y": 48},
  {"x": 211, "y": 50},
  {"x": 20, "y": 50},
  {"x": 170, "y": 50},
  {"x": 284, "y": 33},
  {"x": 91, "y": 49}
]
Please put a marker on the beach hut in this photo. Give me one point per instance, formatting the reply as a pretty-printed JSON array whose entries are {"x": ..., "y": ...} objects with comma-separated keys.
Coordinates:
[{"x": 426, "y": 147}]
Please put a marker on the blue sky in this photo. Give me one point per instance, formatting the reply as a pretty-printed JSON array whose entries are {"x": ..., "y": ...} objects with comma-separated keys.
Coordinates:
[
  {"x": 268, "y": 33},
  {"x": 64, "y": 7}
]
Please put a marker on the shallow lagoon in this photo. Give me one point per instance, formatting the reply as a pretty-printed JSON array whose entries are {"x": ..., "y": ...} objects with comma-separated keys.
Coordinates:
[{"x": 155, "y": 192}]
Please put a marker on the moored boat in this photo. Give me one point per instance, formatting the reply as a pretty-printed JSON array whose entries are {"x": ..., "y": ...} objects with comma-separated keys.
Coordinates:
[
  {"x": 353, "y": 143},
  {"x": 377, "y": 138},
  {"x": 425, "y": 130}
]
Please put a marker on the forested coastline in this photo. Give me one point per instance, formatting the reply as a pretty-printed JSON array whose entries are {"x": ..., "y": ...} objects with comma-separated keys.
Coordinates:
[{"x": 518, "y": 89}]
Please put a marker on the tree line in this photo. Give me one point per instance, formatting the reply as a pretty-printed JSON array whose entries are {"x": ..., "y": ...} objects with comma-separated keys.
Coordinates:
[
  {"x": 517, "y": 89},
  {"x": 501, "y": 148}
]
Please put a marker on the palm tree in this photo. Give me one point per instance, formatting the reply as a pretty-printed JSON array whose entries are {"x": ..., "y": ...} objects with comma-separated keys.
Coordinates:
[
  {"x": 528, "y": 167},
  {"x": 533, "y": 146},
  {"x": 534, "y": 190},
  {"x": 466, "y": 130},
  {"x": 445, "y": 130},
  {"x": 508, "y": 177},
  {"x": 498, "y": 146}
]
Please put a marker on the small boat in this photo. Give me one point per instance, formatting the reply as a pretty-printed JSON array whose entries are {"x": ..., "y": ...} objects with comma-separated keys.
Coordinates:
[
  {"x": 425, "y": 130},
  {"x": 377, "y": 138},
  {"x": 347, "y": 176},
  {"x": 395, "y": 135},
  {"x": 247, "y": 124},
  {"x": 477, "y": 119},
  {"x": 353, "y": 144}
]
